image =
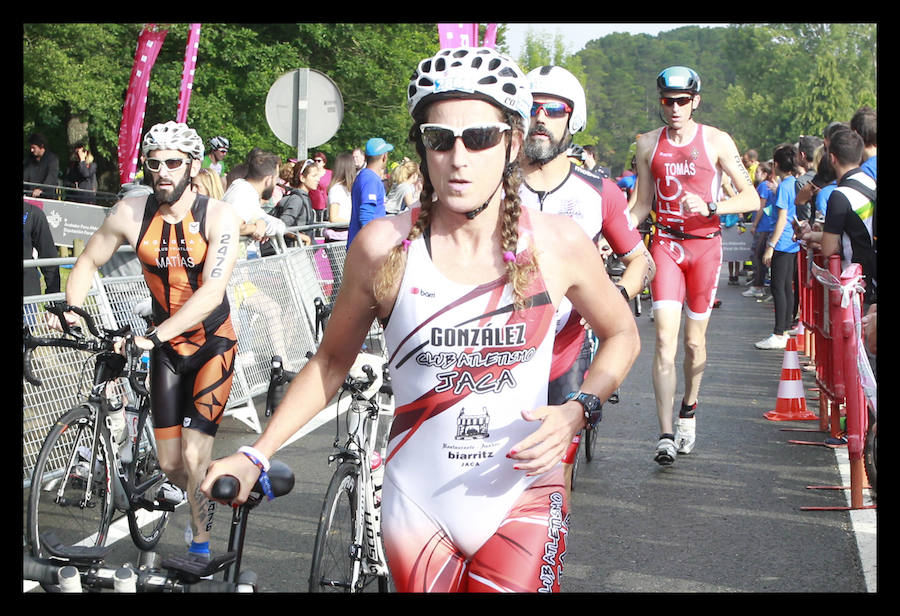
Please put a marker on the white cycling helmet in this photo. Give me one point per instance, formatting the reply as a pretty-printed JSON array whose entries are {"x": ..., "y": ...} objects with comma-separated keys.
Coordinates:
[
  {"x": 560, "y": 83},
  {"x": 465, "y": 71},
  {"x": 173, "y": 136}
]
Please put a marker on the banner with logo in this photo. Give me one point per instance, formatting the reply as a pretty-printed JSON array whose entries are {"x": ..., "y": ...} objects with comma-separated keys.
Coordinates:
[
  {"x": 149, "y": 43},
  {"x": 187, "y": 75},
  {"x": 70, "y": 221}
]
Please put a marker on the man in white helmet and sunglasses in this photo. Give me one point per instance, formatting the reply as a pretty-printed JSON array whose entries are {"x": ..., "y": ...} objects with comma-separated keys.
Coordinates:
[
  {"x": 187, "y": 245},
  {"x": 556, "y": 185}
]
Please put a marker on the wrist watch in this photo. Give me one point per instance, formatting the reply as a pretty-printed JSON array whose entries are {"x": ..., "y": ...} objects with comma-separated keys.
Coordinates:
[
  {"x": 712, "y": 209},
  {"x": 150, "y": 335},
  {"x": 624, "y": 292},
  {"x": 593, "y": 408}
]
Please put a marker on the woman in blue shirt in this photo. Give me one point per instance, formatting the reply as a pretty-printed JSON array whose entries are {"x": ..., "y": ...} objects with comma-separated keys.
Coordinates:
[
  {"x": 781, "y": 249},
  {"x": 763, "y": 223}
]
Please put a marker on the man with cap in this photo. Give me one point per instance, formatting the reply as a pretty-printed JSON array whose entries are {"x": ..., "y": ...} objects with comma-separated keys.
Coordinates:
[{"x": 367, "y": 193}]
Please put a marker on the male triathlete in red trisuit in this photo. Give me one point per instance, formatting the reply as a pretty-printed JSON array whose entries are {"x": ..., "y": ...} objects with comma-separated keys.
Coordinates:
[{"x": 684, "y": 161}]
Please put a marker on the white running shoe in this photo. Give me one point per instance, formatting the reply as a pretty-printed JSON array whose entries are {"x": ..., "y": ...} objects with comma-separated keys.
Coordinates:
[
  {"x": 665, "y": 452},
  {"x": 756, "y": 292},
  {"x": 774, "y": 341},
  {"x": 685, "y": 433}
]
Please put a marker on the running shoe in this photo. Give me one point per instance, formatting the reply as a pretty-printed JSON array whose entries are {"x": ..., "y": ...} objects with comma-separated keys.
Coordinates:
[
  {"x": 756, "y": 292},
  {"x": 685, "y": 434},
  {"x": 665, "y": 451},
  {"x": 170, "y": 494},
  {"x": 774, "y": 341}
]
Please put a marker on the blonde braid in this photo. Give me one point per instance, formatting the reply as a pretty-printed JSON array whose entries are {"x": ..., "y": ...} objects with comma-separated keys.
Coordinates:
[
  {"x": 391, "y": 270},
  {"x": 520, "y": 270}
]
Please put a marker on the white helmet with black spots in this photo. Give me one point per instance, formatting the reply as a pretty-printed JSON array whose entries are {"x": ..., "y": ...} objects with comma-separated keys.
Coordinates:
[
  {"x": 173, "y": 136},
  {"x": 560, "y": 83},
  {"x": 219, "y": 143},
  {"x": 476, "y": 72}
]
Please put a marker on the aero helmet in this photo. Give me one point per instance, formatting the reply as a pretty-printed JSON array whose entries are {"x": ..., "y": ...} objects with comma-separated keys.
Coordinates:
[
  {"x": 476, "y": 72},
  {"x": 219, "y": 143},
  {"x": 557, "y": 81},
  {"x": 173, "y": 136},
  {"x": 678, "y": 78}
]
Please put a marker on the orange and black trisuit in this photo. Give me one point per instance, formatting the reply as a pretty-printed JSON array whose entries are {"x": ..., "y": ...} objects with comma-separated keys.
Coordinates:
[{"x": 191, "y": 374}]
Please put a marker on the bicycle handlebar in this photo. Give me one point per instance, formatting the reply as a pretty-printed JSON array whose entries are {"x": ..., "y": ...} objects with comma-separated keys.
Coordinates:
[
  {"x": 96, "y": 575},
  {"x": 47, "y": 572},
  {"x": 103, "y": 340}
]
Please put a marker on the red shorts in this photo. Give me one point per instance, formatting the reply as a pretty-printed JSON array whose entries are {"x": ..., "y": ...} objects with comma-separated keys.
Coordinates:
[
  {"x": 687, "y": 273},
  {"x": 525, "y": 554}
]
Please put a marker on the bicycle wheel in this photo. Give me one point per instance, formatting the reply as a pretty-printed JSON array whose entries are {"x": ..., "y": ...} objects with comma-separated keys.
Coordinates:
[
  {"x": 336, "y": 559},
  {"x": 146, "y": 527},
  {"x": 59, "y": 501},
  {"x": 590, "y": 443},
  {"x": 575, "y": 465},
  {"x": 870, "y": 450}
]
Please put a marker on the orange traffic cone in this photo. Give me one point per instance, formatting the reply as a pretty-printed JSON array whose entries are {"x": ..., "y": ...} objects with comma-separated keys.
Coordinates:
[
  {"x": 791, "y": 403},
  {"x": 801, "y": 338}
]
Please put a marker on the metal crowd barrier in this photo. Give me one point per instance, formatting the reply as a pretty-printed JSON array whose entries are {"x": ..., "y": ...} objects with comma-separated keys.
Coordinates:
[
  {"x": 830, "y": 309},
  {"x": 273, "y": 307}
]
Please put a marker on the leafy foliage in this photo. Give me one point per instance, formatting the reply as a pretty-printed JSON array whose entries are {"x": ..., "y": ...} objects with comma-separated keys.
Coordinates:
[{"x": 763, "y": 83}]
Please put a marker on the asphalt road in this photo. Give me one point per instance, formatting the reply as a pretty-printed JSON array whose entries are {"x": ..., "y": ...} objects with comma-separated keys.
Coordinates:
[{"x": 725, "y": 519}]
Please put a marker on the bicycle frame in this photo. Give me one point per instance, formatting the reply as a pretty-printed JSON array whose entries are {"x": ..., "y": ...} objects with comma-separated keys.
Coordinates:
[
  {"x": 360, "y": 449},
  {"x": 128, "y": 495}
]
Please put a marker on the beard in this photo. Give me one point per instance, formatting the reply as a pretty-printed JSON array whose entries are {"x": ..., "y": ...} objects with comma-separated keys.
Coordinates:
[
  {"x": 540, "y": 151},
  {"x": 171, "y": 194},
  {"x": 267, "y": 192}
]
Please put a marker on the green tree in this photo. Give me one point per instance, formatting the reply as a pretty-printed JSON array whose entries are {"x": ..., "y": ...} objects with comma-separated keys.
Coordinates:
[{"x": 81, "y": 72}]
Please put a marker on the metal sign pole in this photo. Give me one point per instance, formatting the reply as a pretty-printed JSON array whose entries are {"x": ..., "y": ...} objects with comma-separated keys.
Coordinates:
[{"x": 302, "y": 111}]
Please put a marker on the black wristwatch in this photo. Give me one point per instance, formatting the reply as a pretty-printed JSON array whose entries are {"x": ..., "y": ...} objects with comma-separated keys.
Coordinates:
[
  {"x": 150, "y": 335},
  {"x": 593, "y": 408},
  {"x": 624, "y": 292},
  {"x": 712, "y": 209}
]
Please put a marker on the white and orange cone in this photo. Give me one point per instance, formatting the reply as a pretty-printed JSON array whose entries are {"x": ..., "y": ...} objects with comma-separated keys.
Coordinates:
[{"x": 791, "y": 403}]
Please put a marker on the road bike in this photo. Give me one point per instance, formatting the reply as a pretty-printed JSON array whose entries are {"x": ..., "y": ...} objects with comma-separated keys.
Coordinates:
[
  {"x": 89, "y": 572},
  {"x": 348, "y": 555},
  {"x": 91, "y": 466}
]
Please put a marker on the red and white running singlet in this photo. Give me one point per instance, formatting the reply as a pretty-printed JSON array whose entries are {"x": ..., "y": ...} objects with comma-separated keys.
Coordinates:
[
  {"x": 464, "y": 364},
  {"x": 600, "y": 208},
  {"x": 687, "y": 268}
]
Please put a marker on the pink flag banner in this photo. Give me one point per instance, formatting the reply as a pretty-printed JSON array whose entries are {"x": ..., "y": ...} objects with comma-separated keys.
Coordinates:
[
  {"x": 187, "y": 75},
  {"x": 490, "y": 36},
  {"x": 458, "y": 35},
  {"x": 149, "y": 43}
]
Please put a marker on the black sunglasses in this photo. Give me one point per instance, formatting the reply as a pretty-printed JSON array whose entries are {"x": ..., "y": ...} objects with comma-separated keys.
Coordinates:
[{"x": 440, "y": 138}]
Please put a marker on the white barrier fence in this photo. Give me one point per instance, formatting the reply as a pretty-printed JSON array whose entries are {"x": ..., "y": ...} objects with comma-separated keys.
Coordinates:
[{"x": 273, "y": 308}]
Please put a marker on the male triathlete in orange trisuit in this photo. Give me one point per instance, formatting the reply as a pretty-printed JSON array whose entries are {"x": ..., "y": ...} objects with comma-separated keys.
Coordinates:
[{"x": 187, "y": 245}]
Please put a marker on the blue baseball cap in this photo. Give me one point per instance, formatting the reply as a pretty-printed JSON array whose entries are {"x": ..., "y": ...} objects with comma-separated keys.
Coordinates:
[{"x": 377, "y": 146}]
